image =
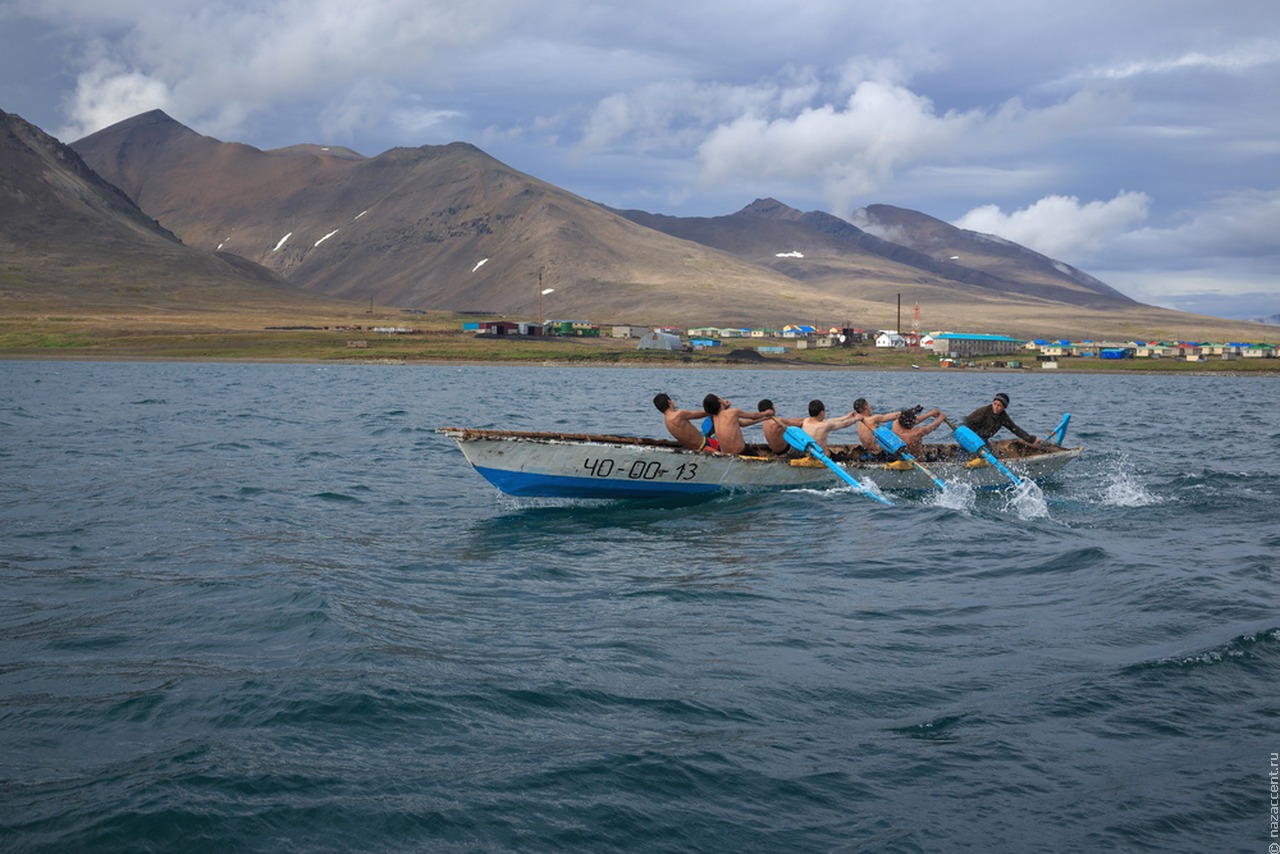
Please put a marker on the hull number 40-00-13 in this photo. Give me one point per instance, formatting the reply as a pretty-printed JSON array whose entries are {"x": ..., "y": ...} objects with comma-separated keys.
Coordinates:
[{"x": 639, "y": 469}]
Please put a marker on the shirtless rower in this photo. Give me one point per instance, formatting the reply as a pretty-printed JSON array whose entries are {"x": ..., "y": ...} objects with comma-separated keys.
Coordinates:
[
  {"x": 867, "y": 426},
  {"x": 775, "y": 428},
  {"x": 729, "y": 421},
  {"x": 911, "y": 430},
  {"x": 817, "y": 425},
  {"x": 680, "y": 424}
]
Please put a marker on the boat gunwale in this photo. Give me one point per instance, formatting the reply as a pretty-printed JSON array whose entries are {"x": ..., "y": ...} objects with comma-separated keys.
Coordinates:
[{"x": 1010, "y": 449}]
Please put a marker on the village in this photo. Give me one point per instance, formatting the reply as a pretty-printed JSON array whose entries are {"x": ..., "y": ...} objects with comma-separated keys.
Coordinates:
[{"x": 951, "y": 348}]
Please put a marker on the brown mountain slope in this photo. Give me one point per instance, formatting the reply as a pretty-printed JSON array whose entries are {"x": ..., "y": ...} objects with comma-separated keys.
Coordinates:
[
  {"x": 69, "y": 238},
  {"x": 957, "y": 247},
  {"x": 440, "y": 227},
  {"x": 824, "y": 248}
]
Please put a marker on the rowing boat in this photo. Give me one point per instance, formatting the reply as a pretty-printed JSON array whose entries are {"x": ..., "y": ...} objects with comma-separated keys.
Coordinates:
[{"x": 581, "y": 465}]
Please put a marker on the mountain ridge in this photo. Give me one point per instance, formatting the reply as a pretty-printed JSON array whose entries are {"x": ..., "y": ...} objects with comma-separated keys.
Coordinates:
[{"x": 71, "y": 238}]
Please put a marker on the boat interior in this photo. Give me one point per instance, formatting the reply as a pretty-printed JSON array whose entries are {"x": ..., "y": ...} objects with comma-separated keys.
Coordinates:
[{"x": 939, "y": 452}]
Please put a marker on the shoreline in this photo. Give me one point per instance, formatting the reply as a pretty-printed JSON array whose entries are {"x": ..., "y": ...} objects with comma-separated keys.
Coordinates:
[{"x": 768, "y": 365}]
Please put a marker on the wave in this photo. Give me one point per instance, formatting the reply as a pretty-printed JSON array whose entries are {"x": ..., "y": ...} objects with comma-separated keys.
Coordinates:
[{"x": 1242, "y": 649}]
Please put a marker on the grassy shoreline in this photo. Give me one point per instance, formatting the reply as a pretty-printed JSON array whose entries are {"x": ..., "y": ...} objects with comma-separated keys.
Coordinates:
[{"x": 246, "y": 337}]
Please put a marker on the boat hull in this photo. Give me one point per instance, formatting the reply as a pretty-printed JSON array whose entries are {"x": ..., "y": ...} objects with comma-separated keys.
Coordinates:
[{"x": 559, "y": 465}]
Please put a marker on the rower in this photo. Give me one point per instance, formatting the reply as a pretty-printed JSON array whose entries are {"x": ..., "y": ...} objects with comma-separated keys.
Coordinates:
[{"x": 987, "y": 421}]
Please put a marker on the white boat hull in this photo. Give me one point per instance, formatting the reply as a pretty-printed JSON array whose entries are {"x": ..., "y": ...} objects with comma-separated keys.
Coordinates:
[{"x": 589, "y": 466}]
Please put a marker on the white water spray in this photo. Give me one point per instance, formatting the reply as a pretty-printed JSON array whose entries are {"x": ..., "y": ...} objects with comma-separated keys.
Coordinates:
[
  {"x": 959, "y": 496},
  {"x": 1125, "y": 490},
  {"x": 1027, "y": 501}
]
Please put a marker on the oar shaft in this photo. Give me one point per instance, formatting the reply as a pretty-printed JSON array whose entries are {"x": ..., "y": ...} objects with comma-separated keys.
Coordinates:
[
  {"x": 893, "y": 444},
  {"x": 805, "y": 443}
]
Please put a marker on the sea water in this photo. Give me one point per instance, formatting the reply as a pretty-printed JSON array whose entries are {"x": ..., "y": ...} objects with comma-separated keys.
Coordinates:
[{"x": 268, "y": 608}]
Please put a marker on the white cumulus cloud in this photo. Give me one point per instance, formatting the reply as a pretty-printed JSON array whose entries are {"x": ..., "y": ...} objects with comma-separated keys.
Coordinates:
[
  {"x": 108, "y": 93},
  {"x": 854, "y": 147},
  {"x": 1061, "y": 226}
]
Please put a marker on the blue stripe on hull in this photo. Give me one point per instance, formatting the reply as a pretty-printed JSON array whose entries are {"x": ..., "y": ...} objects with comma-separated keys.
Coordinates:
[{"x": 532, "y": 485}]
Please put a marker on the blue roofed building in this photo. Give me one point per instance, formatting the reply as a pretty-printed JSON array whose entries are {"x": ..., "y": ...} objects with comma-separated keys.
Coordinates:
[{"x": 962, "y": 344}]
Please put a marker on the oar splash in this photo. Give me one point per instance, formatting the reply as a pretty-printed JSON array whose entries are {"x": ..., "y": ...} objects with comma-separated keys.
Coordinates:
[{"x": 1027, "y": 499}]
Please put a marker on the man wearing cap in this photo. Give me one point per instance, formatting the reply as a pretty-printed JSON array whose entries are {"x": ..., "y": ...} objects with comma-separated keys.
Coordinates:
[{"x": 986, "y": 421}]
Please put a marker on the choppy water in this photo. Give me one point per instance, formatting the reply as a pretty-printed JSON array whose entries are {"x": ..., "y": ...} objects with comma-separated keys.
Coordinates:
[{"x": 268, "y": 608}]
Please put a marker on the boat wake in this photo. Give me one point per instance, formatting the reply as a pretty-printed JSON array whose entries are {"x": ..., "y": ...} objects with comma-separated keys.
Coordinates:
[{"x": 839, "y": 489}]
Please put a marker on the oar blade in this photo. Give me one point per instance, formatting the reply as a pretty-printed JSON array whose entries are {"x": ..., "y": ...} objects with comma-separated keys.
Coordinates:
[
  {"x": 799, "y": 439},
  {"x": 1059, "y": 433},
  {"x": 969, "y": 440},
  {"x": 974, "y": 444},
  {"x": 889, "y": 440}
]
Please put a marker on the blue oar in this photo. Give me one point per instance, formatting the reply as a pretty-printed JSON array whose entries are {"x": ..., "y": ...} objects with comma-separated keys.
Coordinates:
[
  {"x": 893, "y": 444},
  {"x": 974, "y": 444},
  {"x": 1057, "y": 434},
  {"x": 805, "y": 443}
]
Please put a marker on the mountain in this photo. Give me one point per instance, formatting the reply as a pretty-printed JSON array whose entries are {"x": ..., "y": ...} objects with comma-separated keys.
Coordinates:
[
  {"x": 436, "y": 227},
  {"x": 999, "y": 262},
  {"x": 449, "y": 227},
  {"x": 1272, "y": 320},
  {"x": 71, "y": 239},
  {"x": 823, "y": 248}
]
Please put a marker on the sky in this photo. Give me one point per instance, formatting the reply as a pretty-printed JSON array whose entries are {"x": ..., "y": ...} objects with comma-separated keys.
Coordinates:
[{"x": 1137, "y": 140}]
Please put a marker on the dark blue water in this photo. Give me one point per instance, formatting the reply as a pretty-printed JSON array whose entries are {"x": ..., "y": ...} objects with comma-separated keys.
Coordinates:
[{"x": 268, "y": 608}]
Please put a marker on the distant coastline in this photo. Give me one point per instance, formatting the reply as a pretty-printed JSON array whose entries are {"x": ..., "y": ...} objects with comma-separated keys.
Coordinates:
[
  {"x": 1154, "y": 369},
  {"x": 345, "y": 336}
]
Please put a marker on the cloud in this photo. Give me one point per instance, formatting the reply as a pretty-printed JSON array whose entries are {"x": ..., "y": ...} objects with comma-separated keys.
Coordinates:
[
  {"x": 854, "y": 148},
  {"x": 1220, "y": 260},
  {"x": 1060, "y": 226},
  {"x": 107, "y": 93},
  {"x": 222, "y": 63},
  {"x": 857, "y": 148},
  {"x": 676, "y": 114},
  {"x": 1240, "y": 225},
  {"x": 1239, "y": 58}
]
